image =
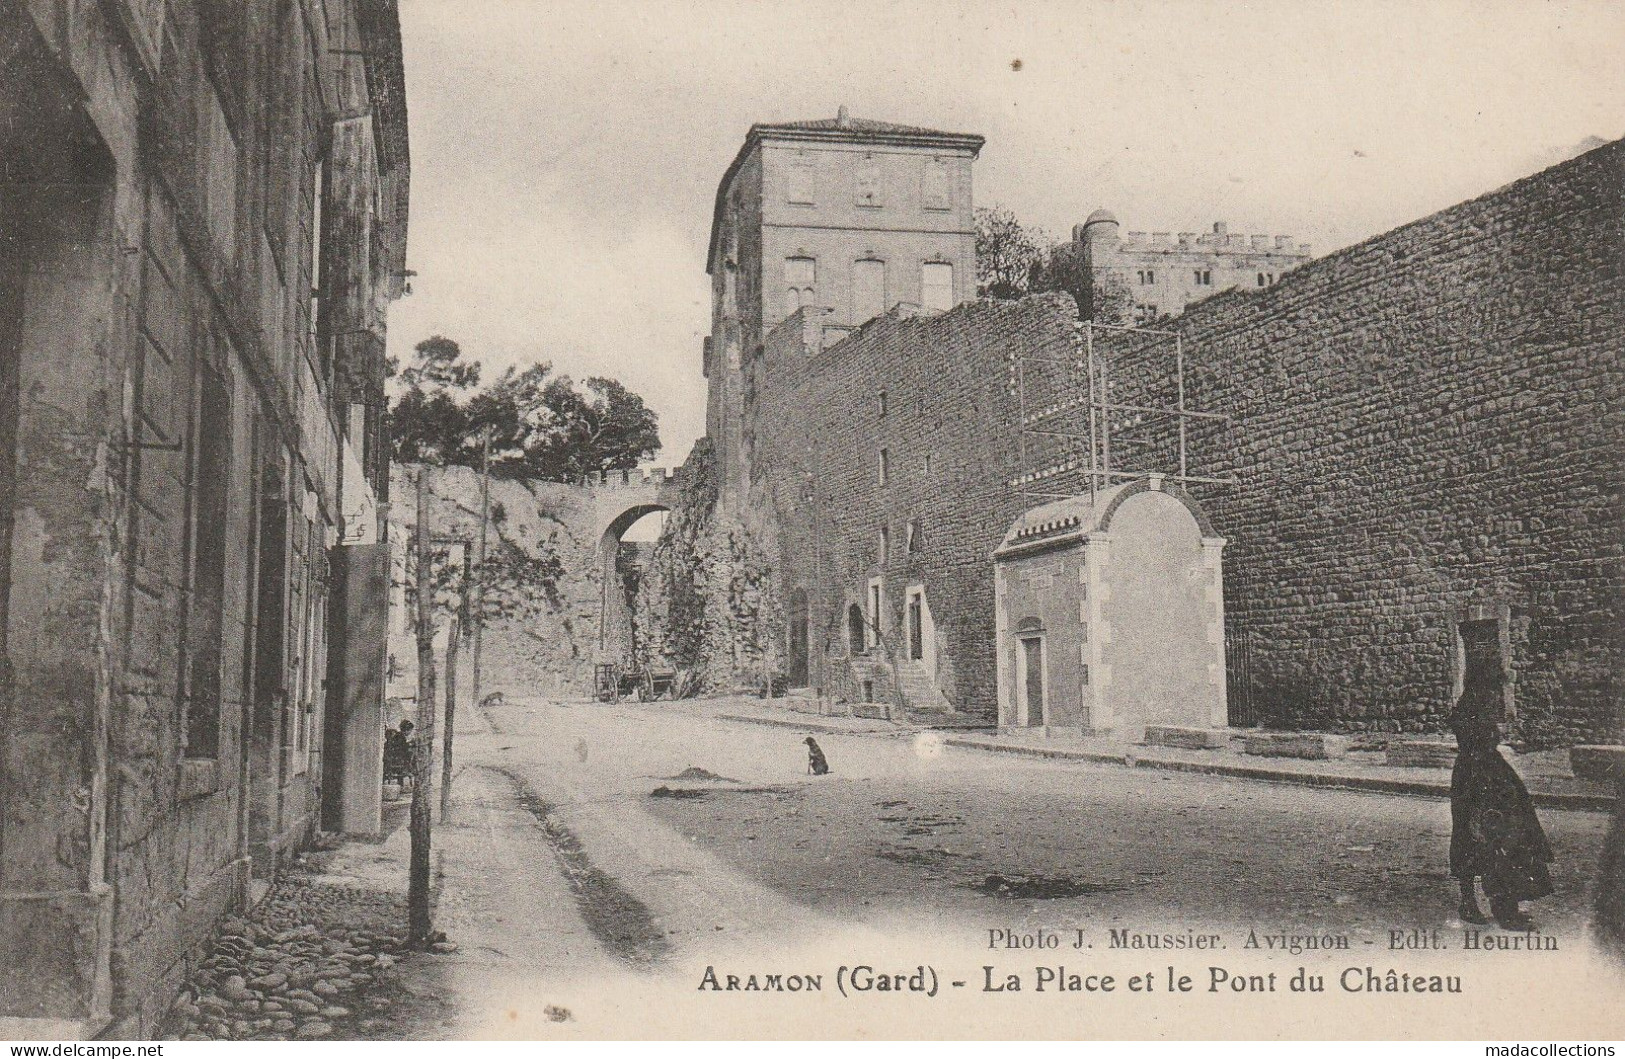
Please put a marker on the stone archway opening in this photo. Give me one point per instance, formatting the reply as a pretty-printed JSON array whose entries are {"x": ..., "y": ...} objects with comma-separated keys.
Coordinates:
[{"x": 623, "y": 554}]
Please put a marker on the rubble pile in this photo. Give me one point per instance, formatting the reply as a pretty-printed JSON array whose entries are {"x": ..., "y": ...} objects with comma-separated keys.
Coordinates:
[{"x": 303, "y": 965}]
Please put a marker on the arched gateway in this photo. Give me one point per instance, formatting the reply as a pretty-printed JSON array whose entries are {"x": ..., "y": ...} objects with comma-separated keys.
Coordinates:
[{"x": 620, "y": 499}]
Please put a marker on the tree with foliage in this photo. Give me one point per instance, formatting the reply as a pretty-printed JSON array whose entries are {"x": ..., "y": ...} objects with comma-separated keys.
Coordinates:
[
  {"x": 543, "y": 426},
  {"x": 1061, "y": 268},
  {"x": 1006, "y": 252},
  {"x": 1105, "y": 299},
  {"x": 1013, "y": 261}
]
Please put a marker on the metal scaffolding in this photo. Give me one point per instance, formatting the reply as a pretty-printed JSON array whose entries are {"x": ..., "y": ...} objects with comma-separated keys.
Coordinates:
[{"x": 1113, "y": 411}]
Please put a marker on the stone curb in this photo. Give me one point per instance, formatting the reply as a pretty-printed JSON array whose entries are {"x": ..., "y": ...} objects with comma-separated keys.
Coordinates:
[
  {"x": 1371, "y": 784},
  {"x": 813, "y": 723},
  {"x": 1374, "y": 784}
]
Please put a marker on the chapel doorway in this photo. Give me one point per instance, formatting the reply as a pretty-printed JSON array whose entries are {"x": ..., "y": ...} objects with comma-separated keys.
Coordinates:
[
  {"x": 1030, "y": 671},
  {"x": 1482, "y": 654}
]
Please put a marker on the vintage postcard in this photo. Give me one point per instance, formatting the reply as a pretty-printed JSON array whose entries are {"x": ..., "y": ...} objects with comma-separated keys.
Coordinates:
[{"x": 812, "y": 519}]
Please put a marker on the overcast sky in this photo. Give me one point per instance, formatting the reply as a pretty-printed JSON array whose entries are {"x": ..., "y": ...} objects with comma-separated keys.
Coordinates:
[{"x": 565, "y": 154}]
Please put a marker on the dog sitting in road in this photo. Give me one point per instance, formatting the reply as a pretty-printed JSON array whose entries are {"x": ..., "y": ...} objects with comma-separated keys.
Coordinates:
[{"x": 817, "y": 764}]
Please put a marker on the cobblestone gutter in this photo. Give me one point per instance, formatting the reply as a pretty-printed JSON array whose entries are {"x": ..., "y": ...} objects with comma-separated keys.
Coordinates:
[{"x": 313, "y": 960}]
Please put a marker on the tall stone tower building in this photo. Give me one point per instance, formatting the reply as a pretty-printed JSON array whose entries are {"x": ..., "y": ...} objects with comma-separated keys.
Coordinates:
[{"x": 846, "y": 215}]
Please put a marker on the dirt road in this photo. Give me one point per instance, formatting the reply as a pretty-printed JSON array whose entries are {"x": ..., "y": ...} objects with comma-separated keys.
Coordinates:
[{"x": 604, "y": 859}]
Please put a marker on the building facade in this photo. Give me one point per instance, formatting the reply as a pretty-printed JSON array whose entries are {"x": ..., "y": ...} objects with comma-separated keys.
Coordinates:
[
  {"x": 883, "y": 465},
  {"x": 1423, "y": 432},
  {"x": 848, "y": 215},
  {"x": 202, "y": 222},
  {"x": 1160, "y": 274}
]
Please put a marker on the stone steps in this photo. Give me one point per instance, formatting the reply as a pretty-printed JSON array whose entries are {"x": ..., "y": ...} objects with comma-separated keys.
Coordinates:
[
  {"x": 1420, "y": 754},
  {"x": 928, "y": 707},
  {"x": 920, "y": 692},
  {"x": 952, "y": 722},
  {"x": 1310, "y": 746},
  {"x": 1186, "y": 738}
]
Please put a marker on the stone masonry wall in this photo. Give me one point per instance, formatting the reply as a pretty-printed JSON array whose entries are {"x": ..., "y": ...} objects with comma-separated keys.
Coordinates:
[
  {"x": 708, "y": 606},
  {"x": 1425, "y": 423},
  {"x": 815, "y": 428},
  {"x": 1429, "y": 421}
]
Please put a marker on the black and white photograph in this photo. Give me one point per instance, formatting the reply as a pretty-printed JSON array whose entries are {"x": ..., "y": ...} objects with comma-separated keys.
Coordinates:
[{"x": 799, "y": 520}]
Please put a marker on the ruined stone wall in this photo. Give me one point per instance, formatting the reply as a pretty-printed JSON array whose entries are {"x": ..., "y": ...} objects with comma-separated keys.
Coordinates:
[
  {"x": 1424, "y": 423},
  {"x": 708, "y": 603},
  {"x": 543, "y": 593}
]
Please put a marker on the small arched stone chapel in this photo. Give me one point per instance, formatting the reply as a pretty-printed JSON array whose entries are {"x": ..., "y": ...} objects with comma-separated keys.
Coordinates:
[{"x": 1110, "y": 614}]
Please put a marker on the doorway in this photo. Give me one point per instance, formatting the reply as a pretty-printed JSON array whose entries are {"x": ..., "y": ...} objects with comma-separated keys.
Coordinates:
[
  {"x": 1030, "y": 682},
  {"x": 266, "y": 734},
  {"x": 797, "y": 672},
  {"x": 1480, "y": 649},
  {"x": 624, "y": 551},
  {"x": 1482, "y": 653},
  {"x": 919, "y": 630}
]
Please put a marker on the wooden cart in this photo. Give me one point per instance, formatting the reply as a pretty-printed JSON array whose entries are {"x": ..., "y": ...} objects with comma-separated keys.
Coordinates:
[
  {"x": 606, "y": 682},
  {"x": 657, "y": 682},
  {"x": 612, "y": 683}
]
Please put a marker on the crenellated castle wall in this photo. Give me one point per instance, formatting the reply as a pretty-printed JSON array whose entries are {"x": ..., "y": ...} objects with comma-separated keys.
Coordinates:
[{"x": 1425, "y": 434}]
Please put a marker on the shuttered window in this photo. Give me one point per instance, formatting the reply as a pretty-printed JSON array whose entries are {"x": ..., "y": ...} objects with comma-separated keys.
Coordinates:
[
  {"x": 868, "y": 290},
  {"x": 937, "y": 286}
]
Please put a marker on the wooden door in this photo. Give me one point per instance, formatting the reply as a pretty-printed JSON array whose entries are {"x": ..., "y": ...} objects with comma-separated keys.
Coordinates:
[{"x": 1032, "y": 679}]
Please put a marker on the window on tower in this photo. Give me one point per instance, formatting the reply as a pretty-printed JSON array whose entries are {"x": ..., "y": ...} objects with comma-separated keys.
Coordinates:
[
  {"x": 868, "y": 191},
  {"x": 937, "y": 285},
  {"x": 800, "y": 280},
  {"x": 868, "y": 289},
  {"x": 935, "y": 188},
  {"x": 799, "y": 180}
]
